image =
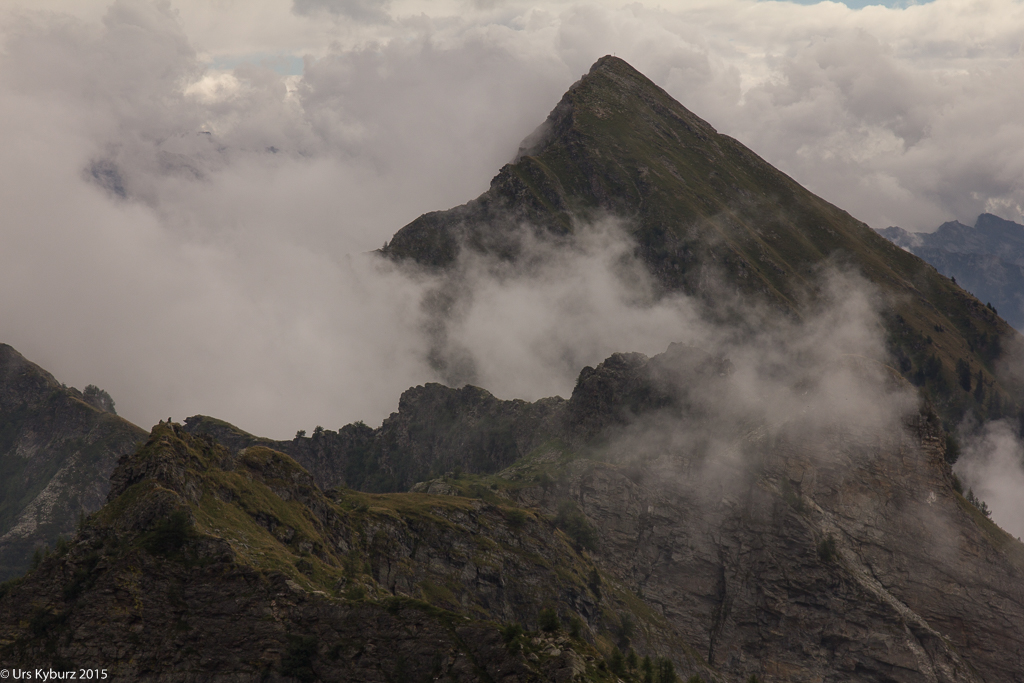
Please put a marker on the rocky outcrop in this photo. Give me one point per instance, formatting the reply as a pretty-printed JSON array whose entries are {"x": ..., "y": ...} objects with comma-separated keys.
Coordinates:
[
  {"x": 155, "y": 620},
  {"x": 437, "y": 429},
  {"x": 57, "y": 451},
  {"x": 683, "y": 380}
]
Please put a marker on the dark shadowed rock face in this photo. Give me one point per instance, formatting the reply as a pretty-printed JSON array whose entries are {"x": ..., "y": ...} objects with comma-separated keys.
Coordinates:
[
  {"x": 842, "y": 556},
  {"x": 56, "y": 452},
  {"x": 437, "y": 429},
  {"x": 679, "y": 382}
]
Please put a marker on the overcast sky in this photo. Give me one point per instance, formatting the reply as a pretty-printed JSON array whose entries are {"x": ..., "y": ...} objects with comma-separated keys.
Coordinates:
[{"x": 187, "y": 185}]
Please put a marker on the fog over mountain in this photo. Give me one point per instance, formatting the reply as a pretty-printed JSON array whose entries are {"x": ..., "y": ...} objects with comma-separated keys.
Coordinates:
[
  {"x": 185, "y": 208},
  {"x": 765, "y": 492}
]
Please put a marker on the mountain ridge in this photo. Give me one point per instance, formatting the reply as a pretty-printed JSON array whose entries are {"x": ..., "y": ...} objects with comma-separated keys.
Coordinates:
[{"x": 792, "y": 563}]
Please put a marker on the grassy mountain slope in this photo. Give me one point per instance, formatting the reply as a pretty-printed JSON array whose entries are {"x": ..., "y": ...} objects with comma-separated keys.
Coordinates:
[
  {"x": 238, "y": 565},
  {"x": 712, "y": 219},
  {"x": 56, "y": 454}
]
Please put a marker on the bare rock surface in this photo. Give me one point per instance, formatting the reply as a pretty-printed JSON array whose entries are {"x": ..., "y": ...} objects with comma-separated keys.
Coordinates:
[{"x": 57, "y": 451}]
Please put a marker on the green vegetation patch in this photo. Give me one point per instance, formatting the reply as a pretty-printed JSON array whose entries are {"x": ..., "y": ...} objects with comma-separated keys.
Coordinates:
[
  {"x": 170, "y": 535},
  {"x": 258, "y": 548},
  {"x": 258, "y": 501}
]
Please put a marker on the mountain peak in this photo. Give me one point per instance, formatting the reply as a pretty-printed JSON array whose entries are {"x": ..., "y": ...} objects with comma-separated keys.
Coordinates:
[
  {"x": 615, "y": 104},
  {"x": 999, "y": 226},
  {"x": 613, "y": 63},
  {"x": 700, "y": 207}
]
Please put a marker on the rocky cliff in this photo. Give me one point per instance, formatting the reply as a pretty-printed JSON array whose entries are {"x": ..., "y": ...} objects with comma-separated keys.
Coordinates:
[
  {"x": 440, "y": 430},
  {"x": 786, "y": 551},
  {"x": 57, "y": 450},
  {"x": 838, "y": 555},
  {"x": 207, "y": 563}
]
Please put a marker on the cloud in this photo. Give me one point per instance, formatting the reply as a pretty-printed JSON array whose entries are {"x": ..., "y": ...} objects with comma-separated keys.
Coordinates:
[
  {"x": 361, "y": 10},
  {"x": 992, "y": 465},
  {"x": 525, "y": 329},
  {"x": 898, "y": 115},
  {"x": 753, "y": 391}
]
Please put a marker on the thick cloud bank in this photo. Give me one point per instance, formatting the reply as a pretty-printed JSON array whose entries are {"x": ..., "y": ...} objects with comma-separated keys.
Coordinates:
[{"x": 190, "y": 238}]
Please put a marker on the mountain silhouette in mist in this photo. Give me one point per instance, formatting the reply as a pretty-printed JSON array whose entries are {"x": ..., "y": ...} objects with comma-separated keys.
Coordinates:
[{"x": 683, "y": 516}]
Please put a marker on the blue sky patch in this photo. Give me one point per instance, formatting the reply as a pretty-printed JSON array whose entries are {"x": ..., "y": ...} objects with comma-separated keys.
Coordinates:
[
  {"x": 286, "y": 65},
  {"x": 858, "y": 4}
]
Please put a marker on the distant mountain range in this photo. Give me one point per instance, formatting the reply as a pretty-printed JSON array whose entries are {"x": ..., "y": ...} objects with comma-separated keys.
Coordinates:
[{"x": 987, "y": 260}]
